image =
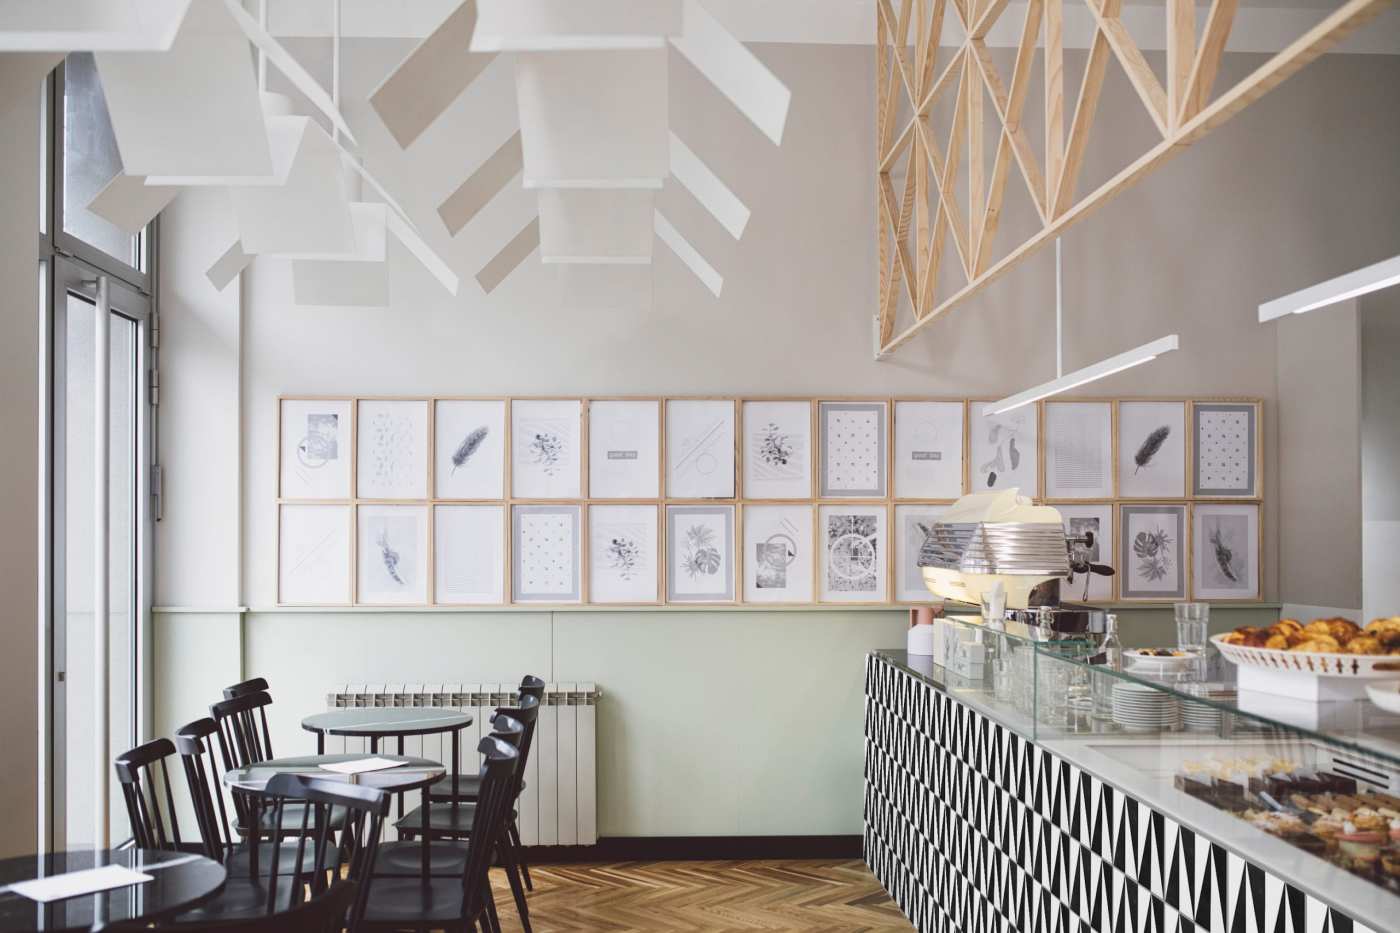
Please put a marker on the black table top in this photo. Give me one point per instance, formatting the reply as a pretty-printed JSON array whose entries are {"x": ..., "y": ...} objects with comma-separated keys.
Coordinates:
[
  {"x": 178, "y": 881},
  {"x": 414, "y": 774},
  {"x": 387, "y": 721}
]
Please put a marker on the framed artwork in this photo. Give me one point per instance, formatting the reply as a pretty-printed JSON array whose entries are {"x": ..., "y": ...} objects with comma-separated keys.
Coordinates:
[
  {"x": 1152, "y": 552},
  {"x": 1096, "y": 520},
  {"x": 1225, "y": 551},
  {"x": 313, "y": 554},
  {"x": 700, "y": 448},
  {"x": 624, "y": 443},
  {"x": 1225, "y": 455},
  {"x": 778, "y": 450},
  {"x": 622, "y": 553},
  {"x": 853, "y": 449},
  {"x": 913, "y": 526},
  {"x": 393, "y": 559},
  {"x": 778, "y": 565},
  {"x": 391, "y": 440},
  {"x": 854, "y": 561},
  {"x": 470, "y": 460},
  {"x": 1003, "y": 449},
  {"x": 928, "y": 450},
  {"x": 1151, "y": 450},
  {"x": 315, "y": 448},
  {"x": 700, "y": 553},
  {"x": 545, "y": 458},
  {"x": 469, "y": 560},
  {"x": 545, "y": 553},
  {"x": 1078, "y": 450}
]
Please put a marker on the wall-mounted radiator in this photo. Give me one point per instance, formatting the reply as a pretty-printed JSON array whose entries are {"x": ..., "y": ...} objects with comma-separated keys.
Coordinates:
[{"x": 559, "y": 805}]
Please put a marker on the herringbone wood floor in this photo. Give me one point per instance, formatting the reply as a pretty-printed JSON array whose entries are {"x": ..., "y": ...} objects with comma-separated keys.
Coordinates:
[{"x": 714, "y": 897}]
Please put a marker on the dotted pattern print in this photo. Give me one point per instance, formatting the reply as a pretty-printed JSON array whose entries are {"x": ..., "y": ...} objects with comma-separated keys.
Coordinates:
[
  {"x": 1225, "y": 450},
  {"x": 853, "y": 449},
  {"x": 970, "y": 826},
  {"x": 391, "y": 464},
  {"x": 546, "y": 546}
]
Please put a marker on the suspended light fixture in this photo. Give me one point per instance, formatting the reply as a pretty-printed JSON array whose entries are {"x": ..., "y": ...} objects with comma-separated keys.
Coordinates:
[
  {"x": 1063, "y": 381},
  {"x": 1352, "y": 285}
]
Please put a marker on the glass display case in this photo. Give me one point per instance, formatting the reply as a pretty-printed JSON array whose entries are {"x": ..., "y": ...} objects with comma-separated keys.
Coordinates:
[{"x": 1309, "y": 790}]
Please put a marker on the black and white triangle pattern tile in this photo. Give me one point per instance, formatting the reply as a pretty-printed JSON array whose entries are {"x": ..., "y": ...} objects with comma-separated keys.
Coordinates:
[{"x": 974, "y": 829}]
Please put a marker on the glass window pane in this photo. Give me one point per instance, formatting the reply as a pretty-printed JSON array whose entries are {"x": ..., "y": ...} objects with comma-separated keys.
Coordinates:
[
  {"x": 78, "y": 566},
  {"x": 90, "y": 160}
]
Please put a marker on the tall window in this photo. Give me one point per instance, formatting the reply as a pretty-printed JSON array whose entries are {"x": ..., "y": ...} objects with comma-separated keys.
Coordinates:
[{"x": 99, "y": 317}]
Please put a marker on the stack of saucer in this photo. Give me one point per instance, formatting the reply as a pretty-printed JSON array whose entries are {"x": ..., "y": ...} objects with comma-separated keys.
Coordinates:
[
  {"x": 1140, "y": 708},
  {"x": 1200, "y": 717}
]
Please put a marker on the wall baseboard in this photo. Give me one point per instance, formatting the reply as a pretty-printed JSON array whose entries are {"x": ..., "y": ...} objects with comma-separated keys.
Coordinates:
[{"x": 695, "y": 848}]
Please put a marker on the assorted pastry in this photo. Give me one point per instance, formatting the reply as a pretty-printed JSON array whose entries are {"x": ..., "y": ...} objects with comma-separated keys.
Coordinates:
[
  {"x": 1320, "y": 812},
  {"x": 1324, "y": 636}
]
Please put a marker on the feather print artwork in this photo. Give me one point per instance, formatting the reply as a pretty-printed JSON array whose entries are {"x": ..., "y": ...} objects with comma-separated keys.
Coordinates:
[
  {"x": 1151, "y": 446},
  {"x": 1224, "y": 556},
  {"x": 390, "y": 558},
  {"x": 469, "y": 446}
]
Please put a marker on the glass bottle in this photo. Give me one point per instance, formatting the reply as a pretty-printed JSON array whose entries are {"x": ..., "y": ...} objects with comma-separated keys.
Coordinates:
[{"x": 1111, "y": 659}]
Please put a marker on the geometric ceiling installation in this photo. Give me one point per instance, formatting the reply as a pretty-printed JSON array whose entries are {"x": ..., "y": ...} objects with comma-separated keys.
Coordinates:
[
  {"x": 593, "y": 138},
  {"x": 188, "y": 109},
  {"x": 933, "y": 127}
]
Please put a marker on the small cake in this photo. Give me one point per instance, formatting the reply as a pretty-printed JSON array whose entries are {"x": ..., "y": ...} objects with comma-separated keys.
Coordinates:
[
  {"x": 1361, "y": 849},
  {"x": 1395, "y": 831}
]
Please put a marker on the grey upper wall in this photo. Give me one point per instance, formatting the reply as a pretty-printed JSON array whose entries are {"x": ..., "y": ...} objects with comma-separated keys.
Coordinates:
[{"x": 1300, "y": 187}]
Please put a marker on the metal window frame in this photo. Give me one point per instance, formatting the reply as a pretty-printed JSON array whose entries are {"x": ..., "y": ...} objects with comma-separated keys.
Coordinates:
[{"x": 66, "y": 263}]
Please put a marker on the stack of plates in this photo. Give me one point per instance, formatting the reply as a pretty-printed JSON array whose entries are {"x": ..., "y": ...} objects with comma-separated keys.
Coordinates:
[
  {"x": 1199, "y": 717},
  {"x": 1143, "y": 709}
]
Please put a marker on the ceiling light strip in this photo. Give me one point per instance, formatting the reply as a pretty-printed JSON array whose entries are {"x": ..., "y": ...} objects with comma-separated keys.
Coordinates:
[
  {"x": 1352, "y": 285},
  {"x": 1114, "y": 364}
]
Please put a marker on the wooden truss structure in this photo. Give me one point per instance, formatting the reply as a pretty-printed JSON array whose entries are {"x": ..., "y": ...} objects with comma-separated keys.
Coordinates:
[{"x": 915, "y": 227}]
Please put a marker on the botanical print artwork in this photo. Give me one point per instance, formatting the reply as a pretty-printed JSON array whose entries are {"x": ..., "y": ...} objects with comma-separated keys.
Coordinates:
[
  {"x": 624, "y": 443},
  {"x": 1224, "y": 450},
  {"x": 315, "y": 450},
  {"x": 778, "y": 556},
  {"x": 1151, "y": 449},
  {"x": 852, "y": 553},
  {"x": 1226, "y": 551},
  {"x": 468, "y": 553},
  {"x": 623, "y": 557},
  {"x": 1153, "y": 551},
  {"x": 928, "y": 454},
  {"x": 546, "y": 455},
  {"x": 392, "y": 446},
  {"x": 545, "y": 561},
  {"x": 777, "y": 455},
  {"x": 1078, "y": 450},
  {"x": 314, "y": 554},
  {"x": 1004, "y": 449},
  {"x": 853, "y": 449},
  {"x": 391, "y": 554},
  {"x": 700, "y": 545},
  {"x": 915, "y": 526},
  {"x": 700, "y": 449},
  {"x": 470, "y": 438}
]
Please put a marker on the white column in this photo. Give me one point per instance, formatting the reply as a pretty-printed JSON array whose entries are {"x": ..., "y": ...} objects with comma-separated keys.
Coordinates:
[{"x": 101, "y": 588}]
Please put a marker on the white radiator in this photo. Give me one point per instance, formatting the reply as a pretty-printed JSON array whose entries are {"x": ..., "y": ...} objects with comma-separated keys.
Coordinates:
[{"x": 559, "y": 806}]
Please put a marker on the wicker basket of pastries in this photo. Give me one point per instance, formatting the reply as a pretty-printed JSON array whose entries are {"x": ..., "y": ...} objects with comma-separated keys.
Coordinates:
[{"x": 1327, "y": 647}]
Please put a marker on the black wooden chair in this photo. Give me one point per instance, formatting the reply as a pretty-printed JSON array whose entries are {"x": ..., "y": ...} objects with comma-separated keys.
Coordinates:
[
  {"x": 455, "y": 820},
  {"x": 461, "y": 903},
  {"x": 242, "y": 722},
  {"x": 205, "y": 759},
  {"x": 152, "y": 826},
  {"x": 467, "y": 787},
  {"x": 256, "y": 685}
]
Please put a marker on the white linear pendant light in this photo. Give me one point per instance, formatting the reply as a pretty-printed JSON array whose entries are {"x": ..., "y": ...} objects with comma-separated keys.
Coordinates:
[
  {"x": 192, "y": 110},
  {"x": 559, "y": 25},
  {"x": 1114, "y": 364},
  {"x": 593, "y": 119},
  {"x": 129, "y": 203},
  {"x": 90, "y": 25},
  {"x": 596, "y": 226},
  {"x": 1352, "y": 285}
]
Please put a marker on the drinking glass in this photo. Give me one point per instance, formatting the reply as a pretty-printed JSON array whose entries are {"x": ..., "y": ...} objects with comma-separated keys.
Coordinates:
[{"x": 1192, "y": 620}]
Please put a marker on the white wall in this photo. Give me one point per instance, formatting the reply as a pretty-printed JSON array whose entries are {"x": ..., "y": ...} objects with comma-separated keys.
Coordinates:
[
  {"x": 1267, "y": 204},
  {"x": 1380, "y": 453}
]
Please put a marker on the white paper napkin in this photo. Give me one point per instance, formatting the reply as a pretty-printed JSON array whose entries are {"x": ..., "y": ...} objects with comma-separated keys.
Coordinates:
[
  {"x": 77, "y": 883},
  {"x": 362, "y": 765}
]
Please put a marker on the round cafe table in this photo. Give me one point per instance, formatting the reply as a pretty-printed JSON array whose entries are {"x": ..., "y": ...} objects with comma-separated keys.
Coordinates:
[
  {"x": 375, "y": 723},
  {"x": 178, "y": 882}
]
